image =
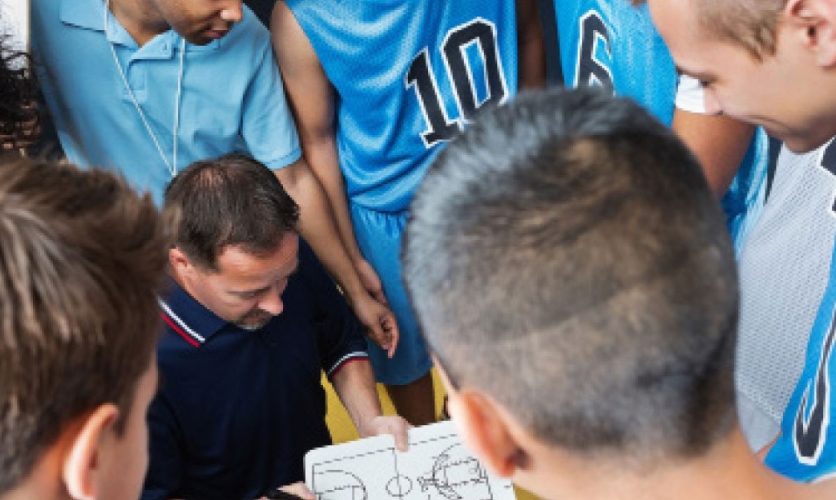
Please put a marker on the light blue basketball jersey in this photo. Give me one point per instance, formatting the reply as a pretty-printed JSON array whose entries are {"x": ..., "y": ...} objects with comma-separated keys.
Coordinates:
[
  {"x": 614, "y": 44},
  {"x": 806, "y": 448},
  {"x": 408, "y": 76}
]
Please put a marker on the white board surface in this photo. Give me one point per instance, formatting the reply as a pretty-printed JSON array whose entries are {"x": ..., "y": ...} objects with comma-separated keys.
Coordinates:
[{"x": 436, "y": 467}]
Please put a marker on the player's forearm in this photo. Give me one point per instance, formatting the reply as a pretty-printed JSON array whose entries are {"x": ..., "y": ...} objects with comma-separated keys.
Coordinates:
[
  {"x": 318, "y": 228},
  {"x": 355, "y": 386},
  {"x": 321, "y": 155}
]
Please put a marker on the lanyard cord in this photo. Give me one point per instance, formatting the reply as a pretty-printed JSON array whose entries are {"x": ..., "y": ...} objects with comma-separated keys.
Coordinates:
[{"x": 171, "y": 166}]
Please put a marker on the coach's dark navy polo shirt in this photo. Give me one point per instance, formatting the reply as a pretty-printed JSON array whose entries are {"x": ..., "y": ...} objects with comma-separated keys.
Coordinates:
[{"x": 237, "y": 409}]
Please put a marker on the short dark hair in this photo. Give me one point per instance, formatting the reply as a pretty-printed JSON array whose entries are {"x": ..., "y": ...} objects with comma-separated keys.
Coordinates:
[
  {"x": 19, "y": 112},
  {"x": 81, "y": 260},
  {"x": 233, "y": 200},
  {"x": 566, "y": 256}
]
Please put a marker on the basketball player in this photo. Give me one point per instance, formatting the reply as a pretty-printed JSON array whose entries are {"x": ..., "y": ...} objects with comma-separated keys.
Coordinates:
[
  {"x": 573, "y": 277},
  {"x": 613, "y": 44},
  {"x": 378, "y": 89},
  {"x": 82, "y": 260},
  {"x": 773, "y": 63}
]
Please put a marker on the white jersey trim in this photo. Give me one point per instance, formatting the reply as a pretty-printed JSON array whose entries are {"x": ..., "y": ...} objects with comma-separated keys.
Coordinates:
[{"x": 182, "y": 324}]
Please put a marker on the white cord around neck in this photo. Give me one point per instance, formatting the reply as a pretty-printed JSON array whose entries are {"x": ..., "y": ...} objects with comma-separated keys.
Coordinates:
[{"x": 170, "y": 165}]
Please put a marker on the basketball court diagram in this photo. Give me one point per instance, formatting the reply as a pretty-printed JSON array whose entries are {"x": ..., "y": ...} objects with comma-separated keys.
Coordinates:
[{"x": 436, "y": 467}]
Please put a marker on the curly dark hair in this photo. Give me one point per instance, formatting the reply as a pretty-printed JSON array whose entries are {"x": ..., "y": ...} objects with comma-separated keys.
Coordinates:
[{"x": 19, "y": 112}]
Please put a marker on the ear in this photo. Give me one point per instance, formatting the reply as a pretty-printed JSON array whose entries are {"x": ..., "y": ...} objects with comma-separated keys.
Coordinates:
[
  {"x": 83, "y": 462},
  {"x": 178, "y": 261},
  {"x": 816, "y": 23},
  {"x": 449, "y": 388},
  {"x": 484, "y": 430}
]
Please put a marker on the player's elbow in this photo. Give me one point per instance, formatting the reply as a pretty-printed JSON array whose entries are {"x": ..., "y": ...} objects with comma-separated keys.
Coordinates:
[{"x": 293, "y": 176}]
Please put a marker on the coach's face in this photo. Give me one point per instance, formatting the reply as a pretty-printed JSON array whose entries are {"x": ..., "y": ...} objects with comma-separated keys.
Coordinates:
[
  {"x": 246, "y": 288},
  {"x": 788, "y": 93},
  {"x": 200, "y": 21}
]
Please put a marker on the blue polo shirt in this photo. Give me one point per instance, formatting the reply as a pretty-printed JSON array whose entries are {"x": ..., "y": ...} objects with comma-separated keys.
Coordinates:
[
  {"x": 232, "y": 96},
  {"x": 237, "y": 410}
]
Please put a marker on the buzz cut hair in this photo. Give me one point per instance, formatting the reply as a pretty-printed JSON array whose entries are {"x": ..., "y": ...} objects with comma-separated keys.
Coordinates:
[{"x": 566, "y": 257}]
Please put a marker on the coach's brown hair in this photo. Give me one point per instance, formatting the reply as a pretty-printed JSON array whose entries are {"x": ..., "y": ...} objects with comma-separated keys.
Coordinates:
[
  {"x": 81, "y": 260},
  {"x": 231, "y": 200}
]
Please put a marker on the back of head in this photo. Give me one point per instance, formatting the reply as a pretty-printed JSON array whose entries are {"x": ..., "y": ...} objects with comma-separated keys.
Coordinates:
[
  {"x": 566, "y": 257},
  {"x": 81, "y": 260},
  {"x": 233, "y": 200}
]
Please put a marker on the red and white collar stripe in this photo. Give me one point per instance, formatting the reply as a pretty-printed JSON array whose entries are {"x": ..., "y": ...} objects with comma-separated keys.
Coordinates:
[{"x": 180, "y": 326}]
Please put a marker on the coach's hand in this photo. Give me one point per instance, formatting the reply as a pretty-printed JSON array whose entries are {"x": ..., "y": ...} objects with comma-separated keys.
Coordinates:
[
  {"x": 295, "y": 490},
  {"x": 394, "y": 425}
]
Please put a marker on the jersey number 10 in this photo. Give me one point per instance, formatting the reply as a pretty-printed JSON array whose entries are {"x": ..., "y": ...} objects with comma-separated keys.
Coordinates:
[{"x": 482, "y": 34}]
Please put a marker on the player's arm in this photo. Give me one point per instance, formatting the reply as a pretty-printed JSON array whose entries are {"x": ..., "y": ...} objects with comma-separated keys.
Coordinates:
[
  {"x": 532, "y": 57},
  {"x": 311, "y": 98},
  {"x": 354, "y": 384},
  {"x": 719, "y": 142},
  {"x": 318, "y": 228}
]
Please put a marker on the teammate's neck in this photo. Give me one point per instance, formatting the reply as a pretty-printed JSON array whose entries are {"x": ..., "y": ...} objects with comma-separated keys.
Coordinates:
[
  {"x": 728, "y": 470},
  {"x": 45, "y": 479},
  {"x": 140, "y": 18}
]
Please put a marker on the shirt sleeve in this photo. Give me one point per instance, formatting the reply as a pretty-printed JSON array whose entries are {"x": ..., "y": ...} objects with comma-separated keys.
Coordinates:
[
  {"x": 339, "y": 334},
  {"x": 690, "y": 96},
  {"x": 268, "y": 129},
  {"x": 165, "y": 464}
]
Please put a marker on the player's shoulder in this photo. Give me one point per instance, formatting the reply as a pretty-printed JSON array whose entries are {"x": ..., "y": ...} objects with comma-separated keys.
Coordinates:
[
  {"x": 325, "y": 8},
  {"x": 621, "y": 16}
]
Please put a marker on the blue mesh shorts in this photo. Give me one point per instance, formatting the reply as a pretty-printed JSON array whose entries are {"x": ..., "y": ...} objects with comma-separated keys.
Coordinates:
[{"x": 379, "y": 237}]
